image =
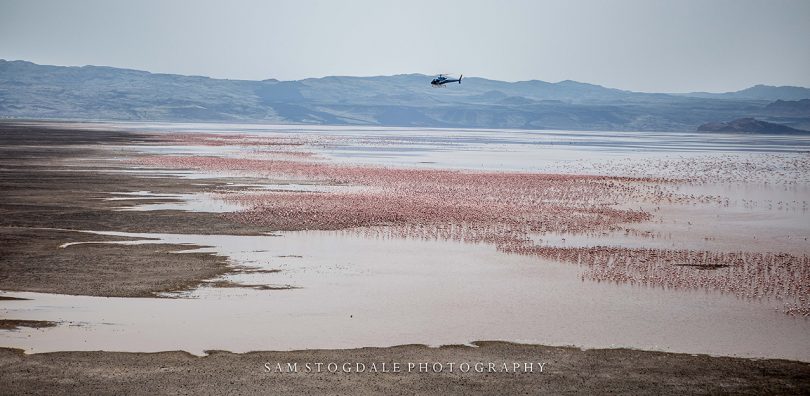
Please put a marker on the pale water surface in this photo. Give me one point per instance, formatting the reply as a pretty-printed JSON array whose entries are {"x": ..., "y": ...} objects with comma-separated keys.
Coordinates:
[{"x": 354, "y": 291}]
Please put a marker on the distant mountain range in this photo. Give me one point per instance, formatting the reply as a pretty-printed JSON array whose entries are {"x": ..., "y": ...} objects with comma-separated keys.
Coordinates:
[
  {"x": 758, "y": 92},
  {"x": 748, "y": 125},
  {"x": 28, "y": 90}
]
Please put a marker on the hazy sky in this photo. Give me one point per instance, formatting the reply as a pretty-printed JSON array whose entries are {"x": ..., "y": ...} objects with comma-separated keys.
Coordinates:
[{"x": 643, "y": 45}]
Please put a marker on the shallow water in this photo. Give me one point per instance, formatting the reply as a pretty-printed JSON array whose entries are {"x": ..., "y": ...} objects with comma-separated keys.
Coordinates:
[
  {"x": 724, "y": 217},
  {"x": 355, "y": 291},
  {"x": 491, "y": 149},
  {"x": 194, "y": 202}
]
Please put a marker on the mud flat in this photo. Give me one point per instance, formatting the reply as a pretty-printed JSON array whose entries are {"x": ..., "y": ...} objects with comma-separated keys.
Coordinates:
[
  {"x": 564, "y": 370},
  {"x": 54, "y": 180},
  {"x": 89, "y": 212},
  {"x": 12, "y": 324}
]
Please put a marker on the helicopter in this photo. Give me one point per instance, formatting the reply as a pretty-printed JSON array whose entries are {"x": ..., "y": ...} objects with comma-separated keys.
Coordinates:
[{"x": 442, "y": 79}]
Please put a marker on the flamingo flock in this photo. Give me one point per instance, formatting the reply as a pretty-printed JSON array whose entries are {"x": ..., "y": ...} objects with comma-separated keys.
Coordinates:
[
  {"x": 786, "y": 169},
  {"x": 500, "y": 208},
  {"x": 761, "y": 275},
  {"x": 222, "y": 139}
]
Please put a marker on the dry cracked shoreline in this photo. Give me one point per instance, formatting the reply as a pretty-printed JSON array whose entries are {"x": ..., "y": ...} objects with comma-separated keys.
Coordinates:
[{"x": 46, "y": 189}]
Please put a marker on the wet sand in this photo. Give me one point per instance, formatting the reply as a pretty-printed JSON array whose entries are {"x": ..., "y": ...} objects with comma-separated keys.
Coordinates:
[
  {"x": 32, "y": 261},
  {"x": 58, "y": 178},
  {"x": 12, "y": 324},
  {"x": 53, "y": 180}
]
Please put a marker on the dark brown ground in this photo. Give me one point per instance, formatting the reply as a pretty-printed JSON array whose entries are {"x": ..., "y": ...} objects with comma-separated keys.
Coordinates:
[
  {"x": 31, "y": 260},
  {"x": 57, "y": 178},
  {"x": 12, "y": 324},
  {"x": 567, "y": 370},
  {"x": 45, "y": 183}
]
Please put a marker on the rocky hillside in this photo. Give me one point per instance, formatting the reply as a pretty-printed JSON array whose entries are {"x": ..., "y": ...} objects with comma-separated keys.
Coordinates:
[{"x": 28, "y": 90}]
